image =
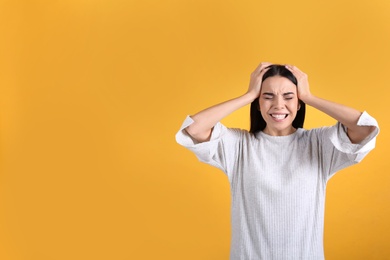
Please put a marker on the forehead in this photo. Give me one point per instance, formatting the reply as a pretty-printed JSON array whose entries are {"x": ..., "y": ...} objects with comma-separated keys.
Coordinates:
[{"x": 278, "y": 84}]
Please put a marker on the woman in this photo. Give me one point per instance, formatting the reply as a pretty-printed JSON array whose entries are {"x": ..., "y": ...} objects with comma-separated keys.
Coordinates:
[{"x": 278, "y": 171}]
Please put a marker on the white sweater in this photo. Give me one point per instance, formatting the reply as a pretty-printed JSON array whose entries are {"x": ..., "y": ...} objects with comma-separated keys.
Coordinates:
[{"x": 278, "y": 184}]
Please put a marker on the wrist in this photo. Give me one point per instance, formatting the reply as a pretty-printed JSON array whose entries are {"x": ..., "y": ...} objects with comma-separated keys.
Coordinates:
[
  {"x": 310, "y": 100},
  {"x": 307, "y": 98},
  {"x": 251, "y": 96}
]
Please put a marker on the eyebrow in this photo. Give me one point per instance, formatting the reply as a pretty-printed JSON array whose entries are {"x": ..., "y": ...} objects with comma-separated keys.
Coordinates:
[{"x": 284, "y": 94}]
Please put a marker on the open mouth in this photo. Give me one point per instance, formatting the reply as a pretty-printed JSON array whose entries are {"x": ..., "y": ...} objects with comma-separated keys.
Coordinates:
[{"x": 279, "y": 116}]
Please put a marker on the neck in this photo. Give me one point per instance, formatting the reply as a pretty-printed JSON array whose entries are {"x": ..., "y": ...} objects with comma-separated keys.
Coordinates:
[{"x": 279, "y": 132}]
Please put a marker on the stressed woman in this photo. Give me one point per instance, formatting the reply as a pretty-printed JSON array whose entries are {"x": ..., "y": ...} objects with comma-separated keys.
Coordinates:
[{"x": 277, "y": 170}]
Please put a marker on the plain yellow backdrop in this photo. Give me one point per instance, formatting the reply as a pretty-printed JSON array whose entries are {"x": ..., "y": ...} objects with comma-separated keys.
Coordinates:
[{"x": 93, "y": 92}]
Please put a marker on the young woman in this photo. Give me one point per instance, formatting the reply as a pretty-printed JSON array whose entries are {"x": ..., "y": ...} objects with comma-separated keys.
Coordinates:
[{"x": 278, "y": 171}]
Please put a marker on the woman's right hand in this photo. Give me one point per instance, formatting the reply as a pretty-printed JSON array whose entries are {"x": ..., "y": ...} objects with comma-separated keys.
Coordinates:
[{"x": 256, "y": 79}]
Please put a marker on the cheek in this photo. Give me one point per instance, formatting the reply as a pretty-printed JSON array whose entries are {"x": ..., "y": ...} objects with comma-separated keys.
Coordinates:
[
  {"x": 263, "y": 104},
  {"x": 264, "y": 108},
  {"x": 293, "y": 105}
]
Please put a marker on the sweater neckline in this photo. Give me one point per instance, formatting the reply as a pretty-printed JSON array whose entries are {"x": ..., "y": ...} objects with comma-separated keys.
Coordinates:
[{"x": 282, "y": 139}]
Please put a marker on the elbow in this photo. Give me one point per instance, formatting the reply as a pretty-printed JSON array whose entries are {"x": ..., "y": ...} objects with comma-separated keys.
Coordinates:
[
  {"x": 357, "y": 135},
  {"x": 197, "y": 134}
]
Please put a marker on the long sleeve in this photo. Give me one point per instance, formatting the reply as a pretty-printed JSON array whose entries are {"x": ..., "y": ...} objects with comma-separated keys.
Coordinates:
[
  {"x": 221, "y": 151},
  {"x": 339, "y": 152}
]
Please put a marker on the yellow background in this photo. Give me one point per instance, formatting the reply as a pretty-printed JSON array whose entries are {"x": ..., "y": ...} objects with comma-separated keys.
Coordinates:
[{"x": 93, "y": 92}]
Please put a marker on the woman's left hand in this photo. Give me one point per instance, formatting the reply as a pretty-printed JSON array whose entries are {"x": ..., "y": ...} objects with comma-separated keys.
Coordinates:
[{"x": 303, "y": 82}]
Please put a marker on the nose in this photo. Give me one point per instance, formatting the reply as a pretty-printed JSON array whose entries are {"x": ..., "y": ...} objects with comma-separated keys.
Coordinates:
[{"x": 279, "y": 102}]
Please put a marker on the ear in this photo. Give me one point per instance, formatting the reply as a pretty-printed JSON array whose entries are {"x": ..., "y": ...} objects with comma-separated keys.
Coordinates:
[{"x": 299, "y": 105}]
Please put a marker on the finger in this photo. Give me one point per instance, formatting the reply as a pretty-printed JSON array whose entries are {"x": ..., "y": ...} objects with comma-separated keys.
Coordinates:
[
  {"x": 262, "y": 66},
  {"x": 264, "y": 70},
  {"x": 290, "y": 67},
  {"x": 293, "y": 69}
]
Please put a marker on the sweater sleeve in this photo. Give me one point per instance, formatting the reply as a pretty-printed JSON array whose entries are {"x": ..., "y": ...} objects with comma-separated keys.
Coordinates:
[
  {"x": 339, "y": 152},
  {"x": 220, "y": 151}
]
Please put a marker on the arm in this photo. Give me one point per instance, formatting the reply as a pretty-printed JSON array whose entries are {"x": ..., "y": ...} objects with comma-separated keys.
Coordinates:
[
  {"x": 205, "y": 120},
  {"x": 344, "y": 114}
]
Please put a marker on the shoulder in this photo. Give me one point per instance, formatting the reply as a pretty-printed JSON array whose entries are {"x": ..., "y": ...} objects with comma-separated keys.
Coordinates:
[
  {"x": 238, "y": 133},
  {"x": 319, "y": 133},
  {"x": 314, "y": 131}
]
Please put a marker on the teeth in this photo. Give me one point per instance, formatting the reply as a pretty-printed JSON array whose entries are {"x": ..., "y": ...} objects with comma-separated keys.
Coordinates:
[{"x": 279, "y": 116}]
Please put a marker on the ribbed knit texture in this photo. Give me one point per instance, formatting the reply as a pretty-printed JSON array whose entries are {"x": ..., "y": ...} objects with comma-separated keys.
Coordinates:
[{"x": 278, "y": 185}]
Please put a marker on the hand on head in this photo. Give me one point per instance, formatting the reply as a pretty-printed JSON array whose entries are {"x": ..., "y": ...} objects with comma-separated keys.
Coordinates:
[
  {"x": 256, "y": 79},
  {"x": 257, "y": 76},
  {"x": 303, "y": 82}
]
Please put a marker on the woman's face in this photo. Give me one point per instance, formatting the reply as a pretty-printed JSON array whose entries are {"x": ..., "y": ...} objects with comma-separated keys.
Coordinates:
[{"x": 278, "y": 102}]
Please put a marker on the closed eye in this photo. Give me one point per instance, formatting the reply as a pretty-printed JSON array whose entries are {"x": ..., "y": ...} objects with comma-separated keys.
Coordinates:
[
  {"x": 268, "y": 95},
  {"x": 288, "y": 95}
]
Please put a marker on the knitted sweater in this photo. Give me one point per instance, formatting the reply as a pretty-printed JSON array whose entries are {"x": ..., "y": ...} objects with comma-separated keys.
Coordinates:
[{"x": 278, "y": 184}]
